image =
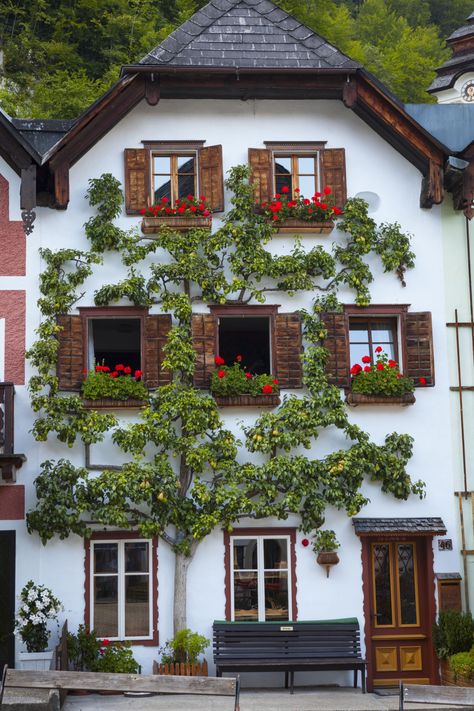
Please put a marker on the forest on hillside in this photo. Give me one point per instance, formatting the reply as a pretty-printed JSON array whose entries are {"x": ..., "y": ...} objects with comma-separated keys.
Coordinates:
[{"x": 61, "y": 55}]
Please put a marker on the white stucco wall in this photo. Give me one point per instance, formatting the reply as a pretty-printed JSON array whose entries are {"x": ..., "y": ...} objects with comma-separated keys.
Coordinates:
[{"x": 372, "y": 166}]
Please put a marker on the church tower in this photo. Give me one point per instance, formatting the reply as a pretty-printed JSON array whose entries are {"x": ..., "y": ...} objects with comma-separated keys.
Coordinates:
[{"x": 454, "y": 83}]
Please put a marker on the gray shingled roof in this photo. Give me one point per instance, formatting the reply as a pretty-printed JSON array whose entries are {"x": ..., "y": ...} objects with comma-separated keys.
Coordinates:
[
  {"x": 431, "y": 526},
  {"x": 43, "y": 134},
  {"x": 246, "y": 33}
]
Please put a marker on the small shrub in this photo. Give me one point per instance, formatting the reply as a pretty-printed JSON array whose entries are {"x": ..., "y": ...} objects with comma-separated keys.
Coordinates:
[
  {"x": 453, "y": 633},
  {"x": 116, "y": 657},
  {"x": 325, "y": 541},
  {"x": 185, "y": 647},
  {"x": 83, "y": 649},
  {"x": 462, "y": 664}
]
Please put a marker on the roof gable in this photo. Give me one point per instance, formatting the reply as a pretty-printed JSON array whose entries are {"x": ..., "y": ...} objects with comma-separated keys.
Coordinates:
[{"x": 246, "y": 33}]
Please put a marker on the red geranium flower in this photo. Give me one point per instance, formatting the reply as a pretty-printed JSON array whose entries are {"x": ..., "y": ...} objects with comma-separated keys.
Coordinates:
[
  {"x": 181, "y": 209},
  {"x": 399, "y": 375},
  {"x": 202, "y": 198},
  {"x": 206, "y": 213},
  {"x": 105, "y": 642},
  {"x": 221, "y": 373},
  {"x": 337, "y": 211},
  {"x": 392, "y": 363},
  {"x": 238, "y": 358},
  {"x": 297, "y": 190},
  {"x": 267, "y": 389},
  {"x": 219, "y": 361},
  {"x": 143, "y": 211},
  {"x": 114, "y": 374},
  {"x": 356, "y": 369},
  {"x": 317, "y": 195},
  {"x": 190, "y": 197},
  {"x": 106, "y": 369},
  {"x": 164, "y": 199},
  {"x": 422, "y": 381},
  {"x": 275, "y": 381},
  {"x": 366, "y": 359},
  {"x": 285, "y": 189},
  {"x": 248, "y": 375},
  {"x": 327, "y": 190},
  {"x": 277, "y": 195},
  {"x": 193, "y": 208},
  {"x": 378, "y": 349},
  {"x": 367, "y": 369},
  {"x": 380, "y": 366},
  {"x": 324, "y": 206},
  {"x": 127, "y": 370},
  {"x": 119, "y": 367},
  {"x": 84, "y": 371},
  {"x": 138, "y": 373}
]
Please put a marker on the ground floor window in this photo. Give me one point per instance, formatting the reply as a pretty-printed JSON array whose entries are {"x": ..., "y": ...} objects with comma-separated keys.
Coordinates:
[
  {"x": 261, "y": 576},
  {"x": 121, "y": 588}
]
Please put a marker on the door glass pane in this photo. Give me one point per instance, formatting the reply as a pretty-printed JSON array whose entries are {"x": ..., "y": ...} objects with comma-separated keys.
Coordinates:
[
  {"x": 245, "y": 596},
  {"x": 105, "y": 557},
  {"x": 406, "y": 577},
  {"x": 137, "y": 610},
  {"x": 275, "y": 553},
  {"x": 106, "y": 606},
  {"x": 245, "y": 554},
  {"x": 382, "y": 583},
  {"x": 136, "y": 557},
  {"x": 307, "y": 186},
  {"x": 276, "y": 596}
]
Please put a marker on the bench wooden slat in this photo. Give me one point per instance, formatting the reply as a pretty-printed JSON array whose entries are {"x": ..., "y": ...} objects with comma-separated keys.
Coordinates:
[
  {"x": 120, "y": 682},
  {"x": 424, "y": 694}
]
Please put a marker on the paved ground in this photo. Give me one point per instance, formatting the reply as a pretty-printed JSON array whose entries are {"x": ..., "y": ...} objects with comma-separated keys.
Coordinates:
[{"x": 304, "y": 699}]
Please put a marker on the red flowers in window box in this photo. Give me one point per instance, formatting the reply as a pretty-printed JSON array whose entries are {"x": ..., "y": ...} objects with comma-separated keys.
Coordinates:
[
  {"x": 189, "y": 206},
  {"x": 380, "y": 378},
  {"x": 284, "y": 206},
  {"x": 235, "y": 380},
  {"x": 119, "y": 384}
]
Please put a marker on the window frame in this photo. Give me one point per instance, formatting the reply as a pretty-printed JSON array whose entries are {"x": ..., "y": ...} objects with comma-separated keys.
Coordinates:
[
  {"x": 170, "y": 149},
  {"x": 89, "y": 313},
  {"x": 123, "y": 537},
  {"x": 295, "y": 150},
  {"x": 370, "y": 321},
  {"x": 260, "y": 533},
  {"x": 375, "y": 311}
]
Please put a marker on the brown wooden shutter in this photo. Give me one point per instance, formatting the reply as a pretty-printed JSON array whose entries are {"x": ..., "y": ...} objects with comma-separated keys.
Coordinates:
[
  {"x": 337, "y": 343},
  {"x": 419, "y": 348},
  {"x": 71, "y": 353},
  {"x": 288, "y": 349},
  {"x": 157, "y": 328},
  {"x": 211, "y": 177},
  {"x": 204, "y": 332},
  {"x": 261, "y": 174},
  {"x": 136, "y": 193},
  {"x": 333, "y": 174}
]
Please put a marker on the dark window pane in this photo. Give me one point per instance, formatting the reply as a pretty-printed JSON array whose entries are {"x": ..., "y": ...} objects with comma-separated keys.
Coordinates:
[
  {"x": 136, "y": 557},
  {"x": 283, "y": 165},
  {"x": 161, "y": 187},
  {"x": 245, "y": 554},
  {"x": 282, "y": 181},
  {"x": 307, "y": 186},
  {"x": 306, "y": 166},
  {"x": 275, "y": 553},
  {"x": 162, "y": 164},
  {"x": 276, "y": 596},
  {"x": 406, "y": 577},
  {"x": 186, "y": 186},
  {"x": 105, "y": 558},
  {"x": 116, "y": 340},
  {"x": 137, "y": 606},
  {"x": 106, "y": 606},
  {"x": 245, "y": 596},
  {"x": 382, "y": 575},
  {"x": 185, "y": 164},
  {"x": 248, "y": 337}
]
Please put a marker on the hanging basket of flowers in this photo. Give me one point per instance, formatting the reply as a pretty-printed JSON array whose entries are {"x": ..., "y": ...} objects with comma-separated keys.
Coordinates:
[
  {"x": 379, "y": 382},
  {"x": 188, "y": 213},
  {"x": 302, "y": 215},
  {"x": 120, "y": 387},
  {"x": 235, "y": 386},
  {"x": 325, "y": 546}
]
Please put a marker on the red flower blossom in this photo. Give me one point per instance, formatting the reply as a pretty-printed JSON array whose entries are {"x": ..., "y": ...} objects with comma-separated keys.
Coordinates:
[
  {"x": 221, "y": 373},
  {"x": 127, "y": 370},
  {"x": 366, "y": 359},
  {"x": 181, "y": 209},
  {"x": 238, "y": 358},
  {"x": 190, "y": 197},
  {"x": 285, "y": 189},
  {"x": 84, "y": 371},
  {"x": 378, "y": 349},
  {"x": 219, "y": 361},
  {"x": 422, "y": 381},
  {"x": 277, "y": 195},
  {"x": 138, "y": 373},
  {"x": 106, "y": 369},
  {"x": 327, "y": 190},
  {"x": 324, "y": 206},
  {"x": 399, "y": 375},
  {"x": 105, "y": 642},
  {"x": 297, "y": 190},
  {"x": 367, "y": 369},
  {"x": 202, "y": 206},
  {"x": 206, "y": 213},
  {"x": 267, "y": 389},
  {"x": 114, "y": 374},
  {"x": 248, "y": 375},
  {"x": 380, "y": 366},
  {"x": 275, "y": 217},
  {"x": 306, "y": 201},
  {"x": 202, "y": 198},
  {"x": 356, "y": 369},
  {"x": 119, "y": 367},
  {"x": 164, "y": 199},
  {"x": 337, "y": 211},
  {"x": 305, "y": 542},
  {"x": 392, "y": 363},
  {"x": 98, "y": 368},
  {"x": 168, "y": 211},
  {"x": 275, "y": 381},
  {"x": 317, "y": 195},
  {"x": 143, "y": 211},
  {"x": 193, "y": 208}
]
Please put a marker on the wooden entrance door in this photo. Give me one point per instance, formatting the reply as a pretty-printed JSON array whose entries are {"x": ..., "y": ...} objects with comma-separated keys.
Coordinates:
[
  {"x": 7, "y": 598},
  {"x": 400, "y": 611}
]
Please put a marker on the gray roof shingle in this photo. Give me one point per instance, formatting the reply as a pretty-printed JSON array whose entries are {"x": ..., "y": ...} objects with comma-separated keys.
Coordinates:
[
  {"x": 431, "y": 526},
  {"x": 246, "y": 33}
]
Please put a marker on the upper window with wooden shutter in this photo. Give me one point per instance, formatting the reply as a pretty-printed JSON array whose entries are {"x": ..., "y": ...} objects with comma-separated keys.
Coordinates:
[
  {"x": 303, "y": 168},
  {"x": 173, "y": 170}
]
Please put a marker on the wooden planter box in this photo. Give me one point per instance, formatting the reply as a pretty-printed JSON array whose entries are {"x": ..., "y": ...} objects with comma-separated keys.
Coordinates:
[
  {"x": 111, "y": 404},
  {"x": 290, "y": 226},
  {"x": 247, "y": 400},
  {"x": 449, "y": 679},
  {"x": 152, "y": 225},
  {"x": 181, "y": 669},
  {"x": 362, "y": 399}
]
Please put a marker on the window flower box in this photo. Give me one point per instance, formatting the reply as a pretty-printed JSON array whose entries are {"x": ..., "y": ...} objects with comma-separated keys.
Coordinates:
[
  {"x": 152, "y": 225},
  {"x": 356, "y": 399},
  {"x": 291, "y": 225},
  {"x": 113, "y": 404},
  {"x": 234, "y": 386},
  {"x": 379, "y": 382},
  {"x": 118, "y": 388},
  {"x": 295, "y": 213},
  {"x": 186, "y": 214},
  {"x": 247, "y": 400}
]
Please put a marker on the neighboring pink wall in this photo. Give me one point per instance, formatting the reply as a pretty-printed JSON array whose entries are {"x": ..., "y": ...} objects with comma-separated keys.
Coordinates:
[
  {"x": 12, "y": 237},
  {"x": 13, "y": 309},
  {"x": 12, "y": 502}
]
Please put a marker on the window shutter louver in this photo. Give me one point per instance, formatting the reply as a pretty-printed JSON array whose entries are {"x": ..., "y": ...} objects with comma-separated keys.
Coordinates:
[
  {"x": 336, "y": 343},
  {"x": 136, "y": 193},
  {"x": 261, "y": 174},
  {"x": 71, "y": 353},
  {"x": 157, "y": 328},
  {"x": 211, "y": 177},
  {"x": 333, "y": 173},
  {"x": 288, "y": 347},
  {"x": 419, "y": 347},
  {"x": 204, "y": 332}
]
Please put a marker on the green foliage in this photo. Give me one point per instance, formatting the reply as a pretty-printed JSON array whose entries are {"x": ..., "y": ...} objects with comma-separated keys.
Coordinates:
[
  {"x": 453, "y": 633},
  {"x": 185, "y": 647},
  {"x": 462, "y": 664},
  {"x": 83, "y": 649},
  {"x": 116, "y": 658},
  {"x": 234, "y": 380},
  {"x": 122, "y": 387},
  {"x": 325, "y": 541}
]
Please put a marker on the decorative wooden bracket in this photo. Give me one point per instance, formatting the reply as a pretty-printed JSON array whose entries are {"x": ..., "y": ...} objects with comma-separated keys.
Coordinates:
[
  {"x": 152, "y": 90},
  {"x": 28, "y": 197},
  {"x": 61, "y": 185},
  {"x": 432, "y": 191},
  {"x": 349, "y": 94}
]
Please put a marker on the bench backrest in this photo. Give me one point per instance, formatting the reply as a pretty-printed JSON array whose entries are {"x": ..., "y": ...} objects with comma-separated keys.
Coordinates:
[
  {"x": 423, "y": 694},
  {"x": 285, "y": 640}
]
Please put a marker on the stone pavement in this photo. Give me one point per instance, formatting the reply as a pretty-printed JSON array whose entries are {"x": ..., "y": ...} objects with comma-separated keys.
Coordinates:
[{"x": 304, "y": 699}]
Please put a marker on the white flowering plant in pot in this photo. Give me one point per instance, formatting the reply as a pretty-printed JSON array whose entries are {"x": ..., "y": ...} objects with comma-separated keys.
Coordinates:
[{"x": 38, "y": 605}]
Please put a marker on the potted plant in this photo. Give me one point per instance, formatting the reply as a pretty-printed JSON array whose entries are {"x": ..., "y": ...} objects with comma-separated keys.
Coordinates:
[
  {"x": 180, "y": 655},
  {"x": 121, "y": 387},
  {"x": 300, "y": 214},
  {"x": 38, "y": 606},
  {"x": 233, "y": 385},
  {"x": 325, "y": 544},
  {"x": 379, "y": 382},
  {"x": 453, "y": 633},
  {"x": 116, "y": 657},
  {"x": 83, "y": 649},
  {"x": 188, "y": 213}
]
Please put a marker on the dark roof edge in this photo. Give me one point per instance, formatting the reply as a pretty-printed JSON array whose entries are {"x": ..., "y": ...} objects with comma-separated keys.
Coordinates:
[
  {"x": 7, "y": 123},
  {"x": 128, "y": 69}
]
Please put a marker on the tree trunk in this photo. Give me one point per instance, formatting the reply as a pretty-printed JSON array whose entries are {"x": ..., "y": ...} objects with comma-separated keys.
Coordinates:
[{"x": 180, "y": 582}]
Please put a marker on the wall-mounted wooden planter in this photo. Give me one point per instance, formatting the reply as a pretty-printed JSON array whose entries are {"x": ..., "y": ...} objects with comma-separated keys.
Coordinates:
[
  {"x": 356, "y": 399},
  {"x": 290, "y": 226},
  {"x": 111, "y": 404},
  {"x": 152, "y": 225},
  {"x": 181, "y": 669},
  {"x": 247, "y": 400},
  {"x": 327, "y": 559}
]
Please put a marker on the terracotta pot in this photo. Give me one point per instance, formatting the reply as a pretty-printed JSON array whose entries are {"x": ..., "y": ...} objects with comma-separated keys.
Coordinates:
[
  {"x": 152, "y": 225},
  {"x": 292, "y": 226},
  {"x": 327, "y": 559}
]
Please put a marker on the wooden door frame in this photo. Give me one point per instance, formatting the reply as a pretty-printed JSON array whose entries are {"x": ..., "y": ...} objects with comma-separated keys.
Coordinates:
[
  {"x": 10, "y": 541},
  {"x": 430, "y": 601}
]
